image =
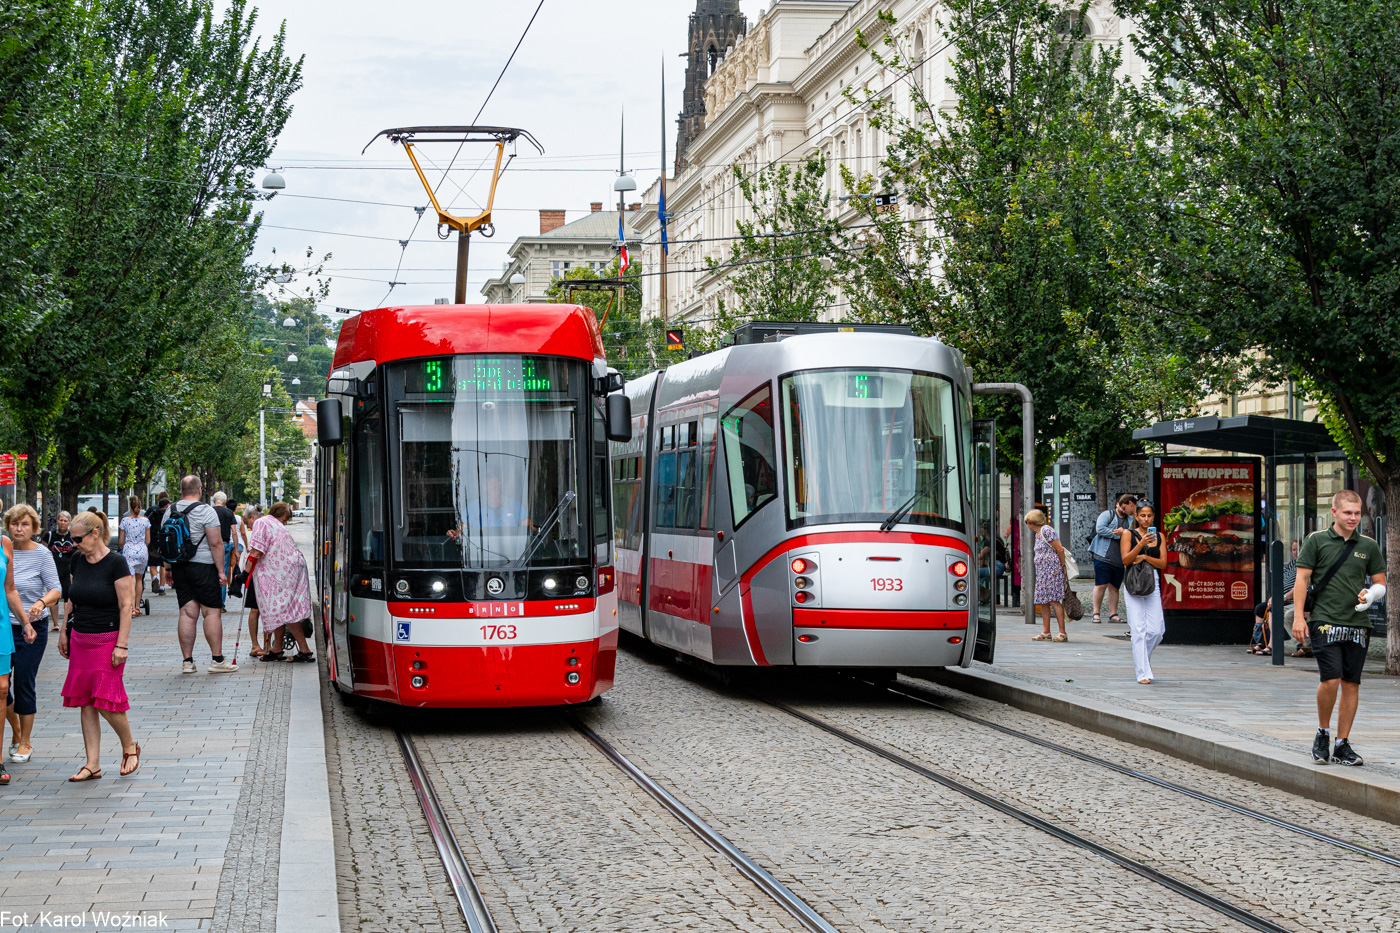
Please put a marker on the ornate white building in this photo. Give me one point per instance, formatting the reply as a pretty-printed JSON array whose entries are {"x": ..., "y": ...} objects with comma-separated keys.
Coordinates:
[{"x": 779, "y": 94}]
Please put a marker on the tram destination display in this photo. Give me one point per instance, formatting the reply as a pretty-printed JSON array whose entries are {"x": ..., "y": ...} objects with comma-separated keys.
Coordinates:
[
  {"x": 479, "y": 374},
  {"x": 1208, "y": 515}
]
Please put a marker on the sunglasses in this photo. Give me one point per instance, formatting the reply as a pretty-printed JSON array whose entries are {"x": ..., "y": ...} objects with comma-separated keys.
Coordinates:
[{"x": 78, "y": 538}]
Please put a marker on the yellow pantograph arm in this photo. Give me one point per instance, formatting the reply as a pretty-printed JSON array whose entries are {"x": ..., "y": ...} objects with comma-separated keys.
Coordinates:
[{"x": 461, "y": 224}]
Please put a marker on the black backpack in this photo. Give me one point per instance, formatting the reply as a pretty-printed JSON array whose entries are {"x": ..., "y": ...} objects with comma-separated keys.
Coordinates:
[{"x": 177, "y": 544}]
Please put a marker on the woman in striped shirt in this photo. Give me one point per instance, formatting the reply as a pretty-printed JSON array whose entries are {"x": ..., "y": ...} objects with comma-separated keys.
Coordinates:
[{"x": 36, "y": 579}]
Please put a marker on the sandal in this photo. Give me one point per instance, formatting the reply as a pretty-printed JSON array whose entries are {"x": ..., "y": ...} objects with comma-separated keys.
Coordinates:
[
  {"x": 302, "y": 657},
  {"x": 1043, "y": 636},
  {"x": 4, "y": 775},
  {"x": 92, "y": 775},
  {"x": 1061, "y": 636},
  {"x": 272, "y": 656},
  {"x": 1115, "y": 618},
  {"x": 1096, "y": 620},
  {"x": 125, "y": 755},
  {"x": 256, "y": 652}
]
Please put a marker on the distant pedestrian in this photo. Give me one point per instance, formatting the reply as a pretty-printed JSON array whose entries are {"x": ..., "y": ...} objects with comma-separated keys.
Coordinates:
[
  {"x": 95, "y": 641},
  {"x": 1109, "y": 530},
  {"x": 11, "y": 608},
  {"x": 991, "y": 556},
  {"x": 1352, "y": 577},
  {"x": 1051, "y": 580},
  {"x": 154, "y": 562},
  {"x": 196, "y": 572},
  {"x": 61, "y": 546},
  {"x": 36, "y": 580},
  {"x": 1143, "y": 545},
  {"x": 284, "y": 589},
  {"x": 134, "y": 541},
  {"x": 227, "y": 519}
]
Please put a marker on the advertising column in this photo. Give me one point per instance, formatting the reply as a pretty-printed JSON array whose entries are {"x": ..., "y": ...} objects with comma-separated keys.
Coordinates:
[{"x": 1208, "y": 509}]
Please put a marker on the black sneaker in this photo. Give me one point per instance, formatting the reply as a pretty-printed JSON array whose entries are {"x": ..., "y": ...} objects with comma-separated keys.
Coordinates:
[
  {"x": 1321, "y": 752},
  {"x": 1343, "y": 754}
]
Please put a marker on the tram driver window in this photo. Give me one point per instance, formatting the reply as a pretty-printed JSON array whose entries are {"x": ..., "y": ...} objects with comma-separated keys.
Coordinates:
[
  {"x": 369, "y": 484},
  {"x": 750, "y": 454}
]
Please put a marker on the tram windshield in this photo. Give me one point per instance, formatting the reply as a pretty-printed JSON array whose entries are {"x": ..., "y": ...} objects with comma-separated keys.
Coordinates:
[
  {"x": 865, "y": 443},
  {"x": 488, "y": 461}
]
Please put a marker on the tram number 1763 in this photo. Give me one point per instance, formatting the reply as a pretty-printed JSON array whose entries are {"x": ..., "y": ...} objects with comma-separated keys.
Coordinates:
[
  {"x": 498, "y": 632},
  {"x": 886, "y": 584}
]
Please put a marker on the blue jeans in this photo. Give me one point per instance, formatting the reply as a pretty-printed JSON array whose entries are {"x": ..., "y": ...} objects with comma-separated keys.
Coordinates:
[
  {"x": 26, "y": 668},
  {"x": 984, "y": 573}
]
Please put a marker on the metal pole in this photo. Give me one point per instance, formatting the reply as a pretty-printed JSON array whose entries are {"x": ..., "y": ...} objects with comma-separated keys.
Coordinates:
[
  {"x": 1027, "y": 483},
  {"x": 464, "y": 243},
  {"x": 1276, "y": 589},
  {"x": 262, "y": 457}
]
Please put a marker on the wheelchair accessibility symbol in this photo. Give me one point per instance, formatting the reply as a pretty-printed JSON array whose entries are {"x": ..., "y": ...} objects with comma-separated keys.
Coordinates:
[{"x": 401, "y": 630}]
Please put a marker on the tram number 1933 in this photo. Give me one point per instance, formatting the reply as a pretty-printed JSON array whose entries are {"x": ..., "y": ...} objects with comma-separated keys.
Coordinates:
[
  {"x": 886, "y": 584},
  {"x": 498, "y": 632}
]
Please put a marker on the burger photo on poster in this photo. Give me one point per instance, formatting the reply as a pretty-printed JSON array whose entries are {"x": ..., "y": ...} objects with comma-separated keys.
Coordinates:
[{"x": 1213, "y": 529}]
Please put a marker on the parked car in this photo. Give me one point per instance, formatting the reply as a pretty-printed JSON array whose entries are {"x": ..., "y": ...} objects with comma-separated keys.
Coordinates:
[{"x": 304, "y": 513}]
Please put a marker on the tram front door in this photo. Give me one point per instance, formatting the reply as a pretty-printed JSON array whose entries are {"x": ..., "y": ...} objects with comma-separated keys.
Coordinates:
[{"x": 985, "y": 490}]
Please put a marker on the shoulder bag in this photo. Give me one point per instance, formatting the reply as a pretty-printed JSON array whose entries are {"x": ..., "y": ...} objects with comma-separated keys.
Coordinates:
[
  {"x": 1139, "y": 579},
  {"x": 1317, "y": 588}
]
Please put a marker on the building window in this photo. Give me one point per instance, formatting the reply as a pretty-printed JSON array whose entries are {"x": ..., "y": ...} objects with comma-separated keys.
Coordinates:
[{"x": 558, "y": 268}]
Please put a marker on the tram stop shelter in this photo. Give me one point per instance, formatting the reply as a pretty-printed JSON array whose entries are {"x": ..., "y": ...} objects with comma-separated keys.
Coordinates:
[{"x": 1302, "y": 469}]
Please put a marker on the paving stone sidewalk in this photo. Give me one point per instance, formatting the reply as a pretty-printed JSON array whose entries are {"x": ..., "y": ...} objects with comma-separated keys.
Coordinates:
[{"x": 192, "y": 840}]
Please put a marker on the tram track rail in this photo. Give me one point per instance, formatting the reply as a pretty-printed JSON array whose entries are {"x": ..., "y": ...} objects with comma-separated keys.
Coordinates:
[
  {"x": 1317, "y": 835},
  {"x": 1220, "y": 905}
]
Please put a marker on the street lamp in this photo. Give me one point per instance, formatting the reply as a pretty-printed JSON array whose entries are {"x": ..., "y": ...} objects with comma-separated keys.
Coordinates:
[
  {"x": 517, "y": 279},
  {"x": 296, "y": 381},
  {"x": 273, "y": 181},
  {"x": 624, "y": 183},
  {"x": 291, "y": 357}
]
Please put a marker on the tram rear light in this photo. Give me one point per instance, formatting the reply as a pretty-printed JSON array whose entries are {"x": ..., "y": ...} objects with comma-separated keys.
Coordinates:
[
  {"x": 802, "y": 596},
  {"x": 960, "y": 599},
  {"x": 960, "y": 585},
  {"x": 803, "y": 565},
  {"x": 571, "y": 678},
  {"x": 802, "y": 583},
  {"x": 958, "y": 568},
  {"x": 419, "y": 681},
  {"x": 955, "y": 640},
  {"x": 806, "y": 638},
  {"x": 418, "y": 665}
]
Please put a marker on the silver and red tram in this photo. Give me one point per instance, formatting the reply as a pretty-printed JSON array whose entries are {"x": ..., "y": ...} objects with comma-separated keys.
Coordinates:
[
  {"x": 462, "y": 507},
  {"x": 806, "y": 501}
]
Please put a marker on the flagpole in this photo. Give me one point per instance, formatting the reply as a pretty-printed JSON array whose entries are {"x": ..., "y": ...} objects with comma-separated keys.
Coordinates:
[{"x": 662, "y": 207}]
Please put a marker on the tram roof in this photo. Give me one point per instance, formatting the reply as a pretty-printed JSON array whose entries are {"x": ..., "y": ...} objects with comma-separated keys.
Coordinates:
[{"x": 400, "y": 333}]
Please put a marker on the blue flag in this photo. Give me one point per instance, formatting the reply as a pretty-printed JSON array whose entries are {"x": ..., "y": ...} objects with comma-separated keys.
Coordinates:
[{"x": 661, "y": 216}]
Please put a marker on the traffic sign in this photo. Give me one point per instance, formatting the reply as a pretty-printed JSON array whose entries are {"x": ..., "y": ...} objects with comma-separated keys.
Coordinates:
[
  {"x": 886, "y": 203},
  {"x": 675, "y": 339}
]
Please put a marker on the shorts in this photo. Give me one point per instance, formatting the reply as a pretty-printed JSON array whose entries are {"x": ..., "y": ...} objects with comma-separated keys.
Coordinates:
[
  {"x": 1338, "y": 660},
  {"x": 153, "y": 558},
  {"x": 197, "y": 582},
  {"x": 1106, "y": 573}
]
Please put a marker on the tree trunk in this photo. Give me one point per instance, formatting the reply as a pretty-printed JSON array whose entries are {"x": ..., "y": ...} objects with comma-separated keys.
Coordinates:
[
  {"x": 1101, "y": 484},
  {"x": 1392, "y": 573},
  {"x": 31, "y": 471}
]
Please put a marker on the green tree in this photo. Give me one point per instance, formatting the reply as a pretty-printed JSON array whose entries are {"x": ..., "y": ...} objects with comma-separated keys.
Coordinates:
[
  {"x": 1279, "y": 129},
  {"x": 634, "y": 346}
]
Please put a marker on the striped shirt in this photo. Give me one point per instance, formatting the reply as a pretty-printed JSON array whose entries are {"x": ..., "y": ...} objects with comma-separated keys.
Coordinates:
[{"x": 35, "y": 574}]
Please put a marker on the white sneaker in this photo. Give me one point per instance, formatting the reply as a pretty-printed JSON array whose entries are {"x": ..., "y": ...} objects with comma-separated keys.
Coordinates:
[
  {"x": 222, "y": 667},
  {"x": 187, "y": 667}
]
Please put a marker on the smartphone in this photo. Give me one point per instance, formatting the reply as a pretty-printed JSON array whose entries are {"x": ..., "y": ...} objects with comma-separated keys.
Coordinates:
[{"x": 1152, "y": 531}]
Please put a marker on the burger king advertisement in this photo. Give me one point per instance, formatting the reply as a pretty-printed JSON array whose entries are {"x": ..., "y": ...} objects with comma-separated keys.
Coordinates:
[{"x": 1208, "y": 510}]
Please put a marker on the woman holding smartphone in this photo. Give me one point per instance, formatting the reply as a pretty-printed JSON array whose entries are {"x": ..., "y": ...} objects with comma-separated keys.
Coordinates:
[{"x": 1145, "y": 620}]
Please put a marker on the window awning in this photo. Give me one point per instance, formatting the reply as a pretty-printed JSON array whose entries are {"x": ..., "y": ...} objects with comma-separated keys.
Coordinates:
[{"x": 1245, "y": 434}]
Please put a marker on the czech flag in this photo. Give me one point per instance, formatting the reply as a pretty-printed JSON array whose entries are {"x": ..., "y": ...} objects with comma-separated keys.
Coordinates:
[{"x": 624, "y": 260}]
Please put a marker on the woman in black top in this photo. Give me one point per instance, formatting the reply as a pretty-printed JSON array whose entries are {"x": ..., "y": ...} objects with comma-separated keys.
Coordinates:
[
  {"x": 95, "y": 642},
  {"x": 60, "y": 544}
]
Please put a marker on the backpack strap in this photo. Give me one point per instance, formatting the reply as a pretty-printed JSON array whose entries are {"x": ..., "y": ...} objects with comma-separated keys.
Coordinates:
[{"x": 1332, "y": 572}]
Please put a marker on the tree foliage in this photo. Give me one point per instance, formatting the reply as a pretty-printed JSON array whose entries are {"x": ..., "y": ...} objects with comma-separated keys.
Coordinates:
[{"x": 634, "y": 346}]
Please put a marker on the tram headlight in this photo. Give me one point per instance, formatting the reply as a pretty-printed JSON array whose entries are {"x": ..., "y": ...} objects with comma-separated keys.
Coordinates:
[
  {"x": 581, "y": 583},
  {"x": 401, "y": 587},
  {"x": 571, "y": 678},
  {"x": 550, "y": 583},
  {"x": 802, "y": 583},
  {"x": 439, "y": 586}
]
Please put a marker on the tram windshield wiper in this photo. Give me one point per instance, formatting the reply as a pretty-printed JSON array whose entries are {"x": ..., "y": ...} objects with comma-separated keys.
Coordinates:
[
  {"x": 548, "y": 525},
  {"x": 898, "y": 514}
]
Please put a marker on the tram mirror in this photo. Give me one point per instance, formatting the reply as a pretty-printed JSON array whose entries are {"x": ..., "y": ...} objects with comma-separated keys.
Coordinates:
[
  {"x": 328, "y": 432},
  {"x": 619, "y": 426}
]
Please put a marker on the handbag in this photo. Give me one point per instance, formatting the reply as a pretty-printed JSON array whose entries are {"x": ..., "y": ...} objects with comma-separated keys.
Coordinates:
[
  {"x": 1139, "y": 580},
  {"x": 1322, "y": 585},
  {"x": 1071, "y": 567},
  {"x": 1073, "y": 607}
]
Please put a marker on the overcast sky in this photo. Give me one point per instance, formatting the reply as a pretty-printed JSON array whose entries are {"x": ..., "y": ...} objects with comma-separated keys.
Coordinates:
[{"x": 371, "y": 65}]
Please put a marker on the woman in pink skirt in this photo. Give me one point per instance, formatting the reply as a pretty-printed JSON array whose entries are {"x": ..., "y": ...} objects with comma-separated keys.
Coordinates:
[
  {"x": 95, "y": 642},
  {"x": 284, "y": 592}
]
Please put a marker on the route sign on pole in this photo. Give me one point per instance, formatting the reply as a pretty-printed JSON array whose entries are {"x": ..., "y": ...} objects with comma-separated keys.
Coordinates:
[{"x": 886, "y": 203}]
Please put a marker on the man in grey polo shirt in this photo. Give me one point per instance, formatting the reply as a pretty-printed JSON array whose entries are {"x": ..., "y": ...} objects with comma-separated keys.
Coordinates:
[{"x": 199, "y": 581}]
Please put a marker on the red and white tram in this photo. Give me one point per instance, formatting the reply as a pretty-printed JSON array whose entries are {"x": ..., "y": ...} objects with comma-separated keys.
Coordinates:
[
  {"x": 804, "y": 501},
  {"x": 464, "y": 552}
]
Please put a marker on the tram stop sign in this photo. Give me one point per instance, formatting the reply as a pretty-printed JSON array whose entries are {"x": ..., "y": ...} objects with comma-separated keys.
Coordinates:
[
  {"x": 675, "y": 339},
  {"x": 885, "y": 203}
]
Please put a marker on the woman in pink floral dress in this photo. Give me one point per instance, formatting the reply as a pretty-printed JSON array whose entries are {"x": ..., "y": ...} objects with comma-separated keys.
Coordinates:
[{"x": 284, "y": 590}]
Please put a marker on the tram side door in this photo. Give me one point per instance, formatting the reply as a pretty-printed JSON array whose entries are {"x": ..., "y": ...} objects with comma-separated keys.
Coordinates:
[
  {"x": 338, "y": 567},
  {"x": 985, "y": 495}
]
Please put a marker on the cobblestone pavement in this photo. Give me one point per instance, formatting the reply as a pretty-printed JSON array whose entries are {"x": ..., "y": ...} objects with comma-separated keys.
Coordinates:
[
  {"x": 868, "y": 844},
  {"x": 1266, "y": 868},
  {"x": 560, "y": 840}
]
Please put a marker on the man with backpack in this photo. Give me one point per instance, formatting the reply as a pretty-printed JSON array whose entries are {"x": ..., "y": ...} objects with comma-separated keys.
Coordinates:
[
  {"x": 155, "y": 514},
  {"x": 1108, "y": 558},
  {"x": 1352, "y": 578},
  {"x": 192, "y": 545}
]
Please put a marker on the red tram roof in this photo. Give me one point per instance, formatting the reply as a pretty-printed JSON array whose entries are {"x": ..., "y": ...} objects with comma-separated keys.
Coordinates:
[{"x": 387, "y": 334}]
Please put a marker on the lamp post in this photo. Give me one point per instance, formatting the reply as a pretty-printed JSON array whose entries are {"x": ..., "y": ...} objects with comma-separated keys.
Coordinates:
[{"x": 622, "y": 185}]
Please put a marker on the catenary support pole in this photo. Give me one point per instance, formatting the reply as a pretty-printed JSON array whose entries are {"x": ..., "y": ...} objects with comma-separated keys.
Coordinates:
[
  {"x": 1027, "y": 482},
  {"x": 262, "y": 458},
  {"x": 464, "y": 245},
  {"x": 1280, "y": 634}
]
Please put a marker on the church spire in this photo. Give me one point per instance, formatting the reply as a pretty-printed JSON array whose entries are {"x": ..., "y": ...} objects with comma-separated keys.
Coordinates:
[{"x": 715, "y": 26}]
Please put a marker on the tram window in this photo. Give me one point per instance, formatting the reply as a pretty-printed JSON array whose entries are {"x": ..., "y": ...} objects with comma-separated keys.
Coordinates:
[
  {"x": 666, "y": 490},
  {"x": 369, "y": 490},
  {"x": 749, "y": 454},
  {"x": 685, "y": 489},
  {"x": 706, "y": 463},
  {"x": 600, "y": 477}
]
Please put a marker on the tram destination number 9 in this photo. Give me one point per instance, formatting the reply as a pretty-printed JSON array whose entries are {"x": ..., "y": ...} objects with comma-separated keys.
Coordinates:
[
  {"x": 886, "y": 584},
  {"x": 498, "y": 632}
]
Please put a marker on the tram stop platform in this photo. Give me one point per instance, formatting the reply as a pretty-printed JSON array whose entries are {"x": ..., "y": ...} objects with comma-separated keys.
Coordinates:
[
  {"x": 1215, "y": 705},
  {"x": 226, "y": 826}
]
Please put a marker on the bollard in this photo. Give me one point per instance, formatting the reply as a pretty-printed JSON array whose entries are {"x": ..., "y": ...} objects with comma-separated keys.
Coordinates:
[{"x": 1276, "y": 599}]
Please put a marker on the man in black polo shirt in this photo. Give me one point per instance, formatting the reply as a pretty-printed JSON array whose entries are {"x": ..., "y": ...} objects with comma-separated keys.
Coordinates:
[{"x": 1338, "y": 624}]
